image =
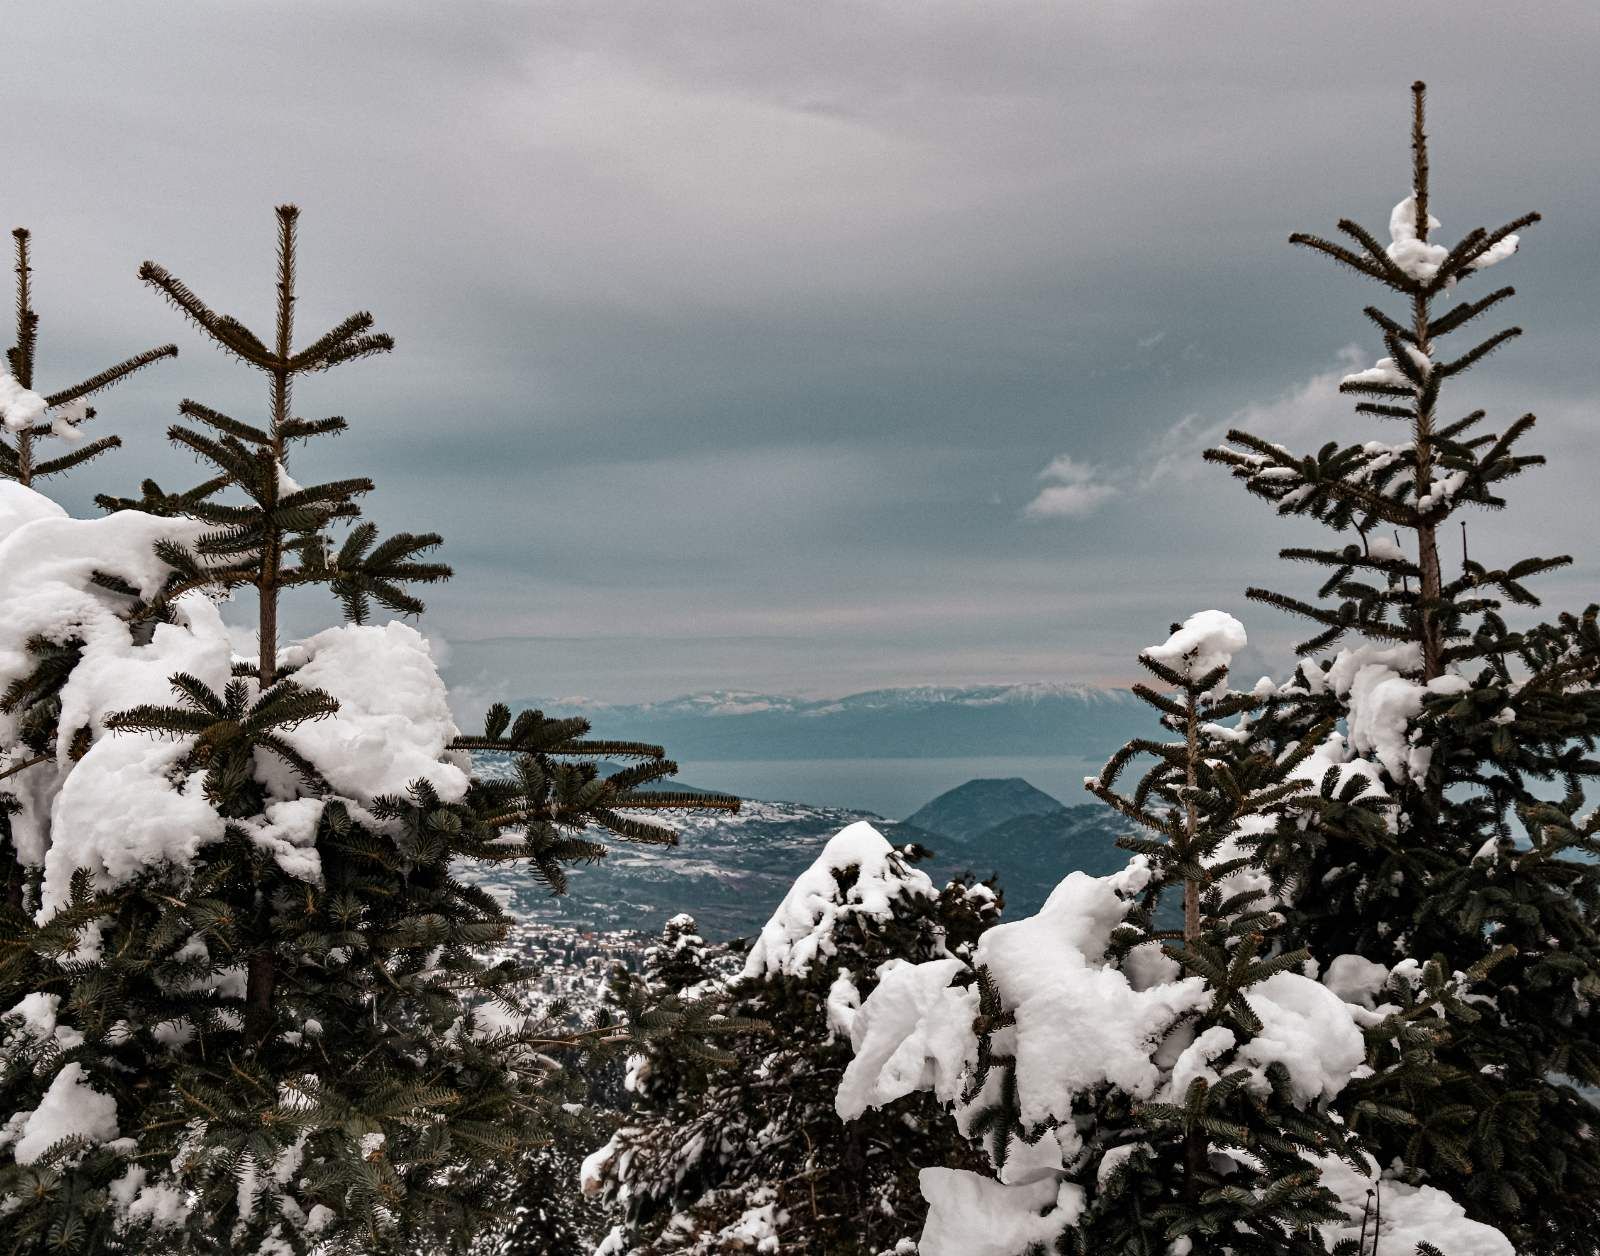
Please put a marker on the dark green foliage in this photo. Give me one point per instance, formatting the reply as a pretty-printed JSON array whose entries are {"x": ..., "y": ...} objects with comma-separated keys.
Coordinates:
[
  {"x": 1486, "y": 867},
  {"x": 341, "y": 1056},
  {"x": 20, "y": 461},
  {"x": 705, "y": 1145},
  {"x": 1232, "y": 1162}
]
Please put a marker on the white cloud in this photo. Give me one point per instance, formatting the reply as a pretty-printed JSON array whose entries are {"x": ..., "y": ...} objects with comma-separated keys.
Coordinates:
[
  {"x": 1308, "y": 413},
  {"x": 1069, "y": 501},
  {"x": 1074, "y": 489},
  {"x": 1068, "y": 470}
]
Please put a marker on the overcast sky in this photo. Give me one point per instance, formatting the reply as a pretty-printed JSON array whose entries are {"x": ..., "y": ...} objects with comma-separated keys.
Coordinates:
[{"x": 809, "y": 347}]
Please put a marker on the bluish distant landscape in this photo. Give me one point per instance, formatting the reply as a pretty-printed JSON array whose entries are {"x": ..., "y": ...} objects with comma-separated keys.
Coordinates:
[{"x": 1021, "y": 818}]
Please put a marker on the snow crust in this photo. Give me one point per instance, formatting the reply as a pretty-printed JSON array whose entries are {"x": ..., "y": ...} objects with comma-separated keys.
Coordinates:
[
  {"x": 1410, "y": 1215},
  {"x": 802, "y": 928},
  {"x": 394, "y": 724},
  {"x": 70, "y": 1108},
  {"x": 1206, "y": 641}
]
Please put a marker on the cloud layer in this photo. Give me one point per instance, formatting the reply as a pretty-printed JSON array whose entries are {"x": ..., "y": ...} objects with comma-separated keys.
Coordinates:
[{"x": 733, "y": 337}]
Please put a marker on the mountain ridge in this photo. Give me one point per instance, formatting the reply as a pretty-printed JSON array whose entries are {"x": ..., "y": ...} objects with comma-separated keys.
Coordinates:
[
  {"x": 980, "y": 804},
  {"x": 928, "y": 721}
]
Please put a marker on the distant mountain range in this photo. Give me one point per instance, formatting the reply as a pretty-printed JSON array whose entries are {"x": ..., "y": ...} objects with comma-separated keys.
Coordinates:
[
  {"x": 730, "y": 872},
  {"x": 923, "y": 722}
]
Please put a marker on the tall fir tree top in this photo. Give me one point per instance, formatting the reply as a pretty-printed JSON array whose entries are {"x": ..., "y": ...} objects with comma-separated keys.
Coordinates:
[
  {"x": 1416, "y": 485},
  {"x": 27, "y": 416}
]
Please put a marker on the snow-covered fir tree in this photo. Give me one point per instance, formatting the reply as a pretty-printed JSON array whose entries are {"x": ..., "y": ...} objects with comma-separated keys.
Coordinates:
[
  {"x": 753, "y": 1158},
  {"x": 245, "y": 1005},
  {"x": 29, "y": 417},
  {"x": 1141, "y": 1089},
  {"x": 547, "y": 1213},
  {"x": 1476, "y": 721}
]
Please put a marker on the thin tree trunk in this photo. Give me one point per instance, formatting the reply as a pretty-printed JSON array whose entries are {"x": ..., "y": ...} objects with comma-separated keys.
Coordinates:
[
  {"x": 24, "y": 354},
  {"x": 1422, "y": 430},
  {"x": 1194, "y": 1149},
  {"x": 1191, "y": 888},
  {"x": 262, "y": 973}
]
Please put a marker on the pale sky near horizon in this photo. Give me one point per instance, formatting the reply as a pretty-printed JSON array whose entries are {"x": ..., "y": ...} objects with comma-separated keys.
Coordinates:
[{"x": 736, "y": 339}]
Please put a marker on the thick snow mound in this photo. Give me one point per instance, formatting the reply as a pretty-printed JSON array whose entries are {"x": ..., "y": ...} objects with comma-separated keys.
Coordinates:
[
  {"x": 1204, "y": 642},
  {"x": 872, "y": 876},
  {"x": 1080, "y": 1023},
  {"x": 1410, "y": 1215},
  {"x": 160, "y": 816},
  {"x": 914, "y": 1033},
  {"x": 973, "y": 1215},
  {"x": 48, "y": 564},
  {"x": 70, "y": 1108},
  {"x": 19, "y": 505},
  {"x": 1309, "y": 1030},
  {"x": 394, "y": 724}
]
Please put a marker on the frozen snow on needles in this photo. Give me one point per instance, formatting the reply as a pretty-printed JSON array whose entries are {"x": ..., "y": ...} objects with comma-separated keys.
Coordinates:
[
  {"x": 394, "y": 724},
  {"x": 71, "y": 1108},
  {"x": 1204, "y": 642},
  {"x": 817, "y": 903},
  {"x": 19, "y": 407}
]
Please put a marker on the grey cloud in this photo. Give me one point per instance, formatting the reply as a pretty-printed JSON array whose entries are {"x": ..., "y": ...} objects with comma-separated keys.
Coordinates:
[{"x": 749, "y": 326}]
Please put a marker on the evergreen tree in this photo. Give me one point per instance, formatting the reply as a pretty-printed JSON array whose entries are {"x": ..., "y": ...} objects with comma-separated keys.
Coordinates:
[
  {"x": 674, "y": 1026},
  {"x": 713, "y": 1158},
  {"x": 28, "y": 417},
  {"x": 1232, "y": 1154},
  {"x": 251, "y": 1009},
  {"x": 1138, "y": 1088},
  {"x": 1480, "y": 733}
]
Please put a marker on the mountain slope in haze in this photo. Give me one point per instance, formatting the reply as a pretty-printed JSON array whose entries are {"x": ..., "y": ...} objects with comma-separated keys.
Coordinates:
[
  {"x": 969, "y": 810},
  {"x": 729, "y": 872},
  {"x": 1021, "y": 835},
  {"x": 1077, "y": 721},
  {"x": 1032, "y": 853}
]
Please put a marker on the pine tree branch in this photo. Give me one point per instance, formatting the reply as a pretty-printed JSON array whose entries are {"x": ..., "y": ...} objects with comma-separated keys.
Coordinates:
[{"x": 111, "y": 375}]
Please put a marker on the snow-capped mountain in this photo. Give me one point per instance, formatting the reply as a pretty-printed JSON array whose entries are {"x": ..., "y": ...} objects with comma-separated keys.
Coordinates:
[{"x": 924, "y": 721}]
